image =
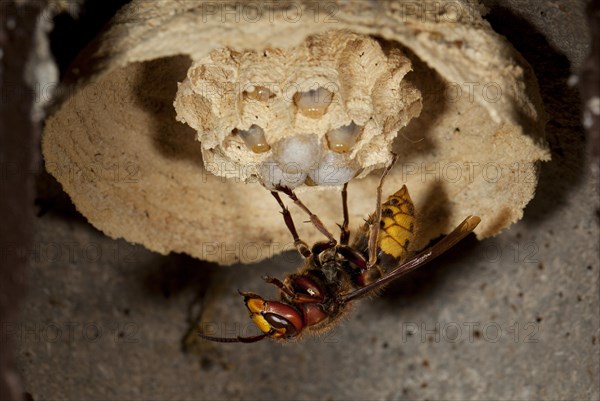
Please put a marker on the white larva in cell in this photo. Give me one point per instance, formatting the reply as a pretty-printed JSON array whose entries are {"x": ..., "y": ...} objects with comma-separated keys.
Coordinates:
[
  {"x": 314, "y": 103},
  {"x": 335, "y": 169},
  {"x": 342, "y": 139},
  {"x": 302, "y": 152},
  {"x": 254, "y": 138},
  {"x": 273, "y": 175},
  {"x": 259, "y": 93}
]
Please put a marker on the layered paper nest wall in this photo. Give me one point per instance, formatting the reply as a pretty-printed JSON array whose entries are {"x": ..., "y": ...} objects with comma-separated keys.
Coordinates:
[{"x": 135, "y": 172}]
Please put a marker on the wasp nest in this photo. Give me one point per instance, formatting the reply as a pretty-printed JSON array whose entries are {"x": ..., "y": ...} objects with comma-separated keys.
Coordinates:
[
  {"x": 180, "y": 113},
  {"x": 317, "y": 113}
]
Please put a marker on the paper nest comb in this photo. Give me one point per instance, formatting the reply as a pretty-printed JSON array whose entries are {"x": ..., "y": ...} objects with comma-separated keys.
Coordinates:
[
  {"x": 317, "y": 113},
  {"x": 181, "y": 113}
]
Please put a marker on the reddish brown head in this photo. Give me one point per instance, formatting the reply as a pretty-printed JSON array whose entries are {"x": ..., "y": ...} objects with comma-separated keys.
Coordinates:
[{"x": 283, "y": 320}]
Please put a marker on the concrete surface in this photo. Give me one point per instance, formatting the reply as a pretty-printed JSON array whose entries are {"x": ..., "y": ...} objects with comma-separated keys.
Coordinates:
[{"x": 512, "y": 318}]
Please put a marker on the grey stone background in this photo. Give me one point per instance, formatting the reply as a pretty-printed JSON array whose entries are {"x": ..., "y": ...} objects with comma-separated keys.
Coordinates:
[{"x": 515, "y": 317}]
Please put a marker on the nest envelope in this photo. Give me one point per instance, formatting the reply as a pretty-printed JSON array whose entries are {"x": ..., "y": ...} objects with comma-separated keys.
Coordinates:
[{"x": 467, "y": 126}]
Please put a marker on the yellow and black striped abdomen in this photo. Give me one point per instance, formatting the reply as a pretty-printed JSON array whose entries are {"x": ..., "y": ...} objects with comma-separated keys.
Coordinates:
[{"x": 397, "y": 228}]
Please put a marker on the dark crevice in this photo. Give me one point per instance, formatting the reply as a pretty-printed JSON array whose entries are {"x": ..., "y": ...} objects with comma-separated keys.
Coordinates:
[
  {"x": 564, "y": 131},
  {"x": 72, "y": 33}
]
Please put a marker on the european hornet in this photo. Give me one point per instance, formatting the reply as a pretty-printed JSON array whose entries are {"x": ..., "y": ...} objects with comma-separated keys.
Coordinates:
[{"x": 335, "y": 274}]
